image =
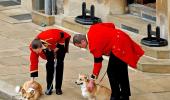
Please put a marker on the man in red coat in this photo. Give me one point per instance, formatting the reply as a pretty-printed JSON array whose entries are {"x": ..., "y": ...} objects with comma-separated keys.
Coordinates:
[
  {"x": 50, "y": 44},
  {"x": 104, "y": 39}
]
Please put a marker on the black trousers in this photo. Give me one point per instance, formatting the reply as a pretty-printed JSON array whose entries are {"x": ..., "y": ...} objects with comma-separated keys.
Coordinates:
[
  {"x": 118, "y": 77},
  {"x": 60, "y": 55}
]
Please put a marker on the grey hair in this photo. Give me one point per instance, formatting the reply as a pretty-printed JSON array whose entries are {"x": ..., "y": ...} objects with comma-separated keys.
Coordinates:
[{"x": 78, "y": 38}]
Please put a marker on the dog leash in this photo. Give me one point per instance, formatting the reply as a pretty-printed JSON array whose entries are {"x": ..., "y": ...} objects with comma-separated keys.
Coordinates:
[{"x": 102, "y": 78}]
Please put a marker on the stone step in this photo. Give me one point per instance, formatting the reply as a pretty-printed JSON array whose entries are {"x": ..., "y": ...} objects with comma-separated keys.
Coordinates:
[
  {"x": 131, "y": 23},
  {"x": 143, "y": 11},
  {"x": 147, "y": 64},
  {"x": 155, "y": 52}
]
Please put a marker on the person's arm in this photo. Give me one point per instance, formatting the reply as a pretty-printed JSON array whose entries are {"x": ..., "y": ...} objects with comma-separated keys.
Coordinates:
[
  {"x": 67, "y": 40},
  {"x": 63, "y": 41},
  {"x": 97, "y": 67},
  {"x": 96, "y": 70},
  {"x": 33, "y": 64},
  {"x": 97, "y": 64}
]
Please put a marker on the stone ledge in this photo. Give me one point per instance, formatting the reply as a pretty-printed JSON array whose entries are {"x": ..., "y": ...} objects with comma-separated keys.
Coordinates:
[
  {"x": 40, "y": 18},
  {"x": 131, "y": 21},
  {"x": 69, "y": 23},
  {"x": 147, "y": 64}
]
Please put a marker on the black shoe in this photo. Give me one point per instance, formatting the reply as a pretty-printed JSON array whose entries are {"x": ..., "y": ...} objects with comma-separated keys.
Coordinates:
[
  {"x": 49, "y": 90},
  {"x": 59, "y": 92}
]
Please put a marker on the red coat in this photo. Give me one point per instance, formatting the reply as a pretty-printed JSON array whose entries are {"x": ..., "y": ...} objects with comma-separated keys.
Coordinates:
[
  {"x": 103, "y": 39},
  {"x": 52, "y": 37}
]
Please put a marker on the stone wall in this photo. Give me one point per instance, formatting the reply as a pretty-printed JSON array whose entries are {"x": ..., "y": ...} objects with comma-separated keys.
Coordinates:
[
  {"x": 60, "y": 8},
  {"x": 118, "y": 7},
  {"x": 27, "y": 4},
  {"x": 73, "y": 7},
  {"x": 162, "y": 15}
]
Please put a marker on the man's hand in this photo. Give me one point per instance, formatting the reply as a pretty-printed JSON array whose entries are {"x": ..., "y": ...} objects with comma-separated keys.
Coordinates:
[{"x": 90, "y": 86}]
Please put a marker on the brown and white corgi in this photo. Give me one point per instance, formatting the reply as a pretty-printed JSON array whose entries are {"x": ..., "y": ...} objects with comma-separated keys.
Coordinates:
[
  {"x": 31, "y": 90},
  {"x": 98, "y": 93}
]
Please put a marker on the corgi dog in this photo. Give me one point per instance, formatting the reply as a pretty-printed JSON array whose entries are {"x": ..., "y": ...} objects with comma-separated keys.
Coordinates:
[
  {"x": 98, "y": 93},
  {"x": 31, "y": 90}
]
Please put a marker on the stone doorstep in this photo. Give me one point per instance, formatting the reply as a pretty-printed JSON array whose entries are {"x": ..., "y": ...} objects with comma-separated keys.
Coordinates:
[
  {"x": 7, "y": 91},
  {"x": 147, "y": 64}
]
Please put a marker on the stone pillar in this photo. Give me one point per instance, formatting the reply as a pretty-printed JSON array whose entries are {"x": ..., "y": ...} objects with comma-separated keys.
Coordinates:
[
  {"x": 118, "y": 7},
  {"x": 163, "y": 19},
  {"x": 48, "y": 7},
  {"x": 168, "y": 21},
  {"x": 54, "y": 8}
]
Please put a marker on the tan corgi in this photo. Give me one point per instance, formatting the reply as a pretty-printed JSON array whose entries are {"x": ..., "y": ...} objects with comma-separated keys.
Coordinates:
[
  {"x": 30, "y": 90},
  {"x": 99, "y": 92}
]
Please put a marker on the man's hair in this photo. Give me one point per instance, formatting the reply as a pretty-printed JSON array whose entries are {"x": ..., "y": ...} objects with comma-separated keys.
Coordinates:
[
  {"x": 36, "y": 43},
  {"x": 78, "y": 38}
]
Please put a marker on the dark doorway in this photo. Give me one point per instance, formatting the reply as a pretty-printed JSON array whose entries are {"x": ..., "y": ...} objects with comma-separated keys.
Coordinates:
[{"x": 140, "y": 1}]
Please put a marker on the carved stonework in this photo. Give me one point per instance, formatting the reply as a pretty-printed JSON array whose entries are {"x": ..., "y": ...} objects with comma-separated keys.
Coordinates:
[
  {"x": 162, "y": 17},
  {"x": 118, "y": 6}
]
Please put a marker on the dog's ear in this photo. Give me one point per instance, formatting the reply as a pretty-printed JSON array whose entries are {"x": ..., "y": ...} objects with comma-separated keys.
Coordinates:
[
  {"x": 18, "y": 89},
  {"x": 23, "y": 91},
  {"x": 86, "y": 77}
]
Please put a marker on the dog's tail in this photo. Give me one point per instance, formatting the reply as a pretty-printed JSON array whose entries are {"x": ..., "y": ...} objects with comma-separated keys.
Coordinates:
[{"x": 17, "y": 89}]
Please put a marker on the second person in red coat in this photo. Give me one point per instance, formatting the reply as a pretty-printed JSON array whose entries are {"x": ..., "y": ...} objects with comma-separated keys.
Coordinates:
[
  {"x": 104, "y": 39},
  {"x": 50, "y": 44}
]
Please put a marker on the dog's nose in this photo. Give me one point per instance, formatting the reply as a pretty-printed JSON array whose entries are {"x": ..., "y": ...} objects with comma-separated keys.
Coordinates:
[{"x": 75, "y": 82}]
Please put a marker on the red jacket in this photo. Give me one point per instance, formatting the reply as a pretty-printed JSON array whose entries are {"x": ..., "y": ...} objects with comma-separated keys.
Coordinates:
[
  {"x": 51, "y": 37},
  {"x": 103, "y": 39}
]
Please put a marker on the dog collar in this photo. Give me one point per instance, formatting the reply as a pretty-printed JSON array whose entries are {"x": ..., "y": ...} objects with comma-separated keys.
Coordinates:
[{"x": 80, "y": 84}]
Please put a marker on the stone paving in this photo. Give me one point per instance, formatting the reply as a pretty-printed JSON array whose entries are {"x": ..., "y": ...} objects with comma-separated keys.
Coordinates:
[{"x": 14, "y": 67}]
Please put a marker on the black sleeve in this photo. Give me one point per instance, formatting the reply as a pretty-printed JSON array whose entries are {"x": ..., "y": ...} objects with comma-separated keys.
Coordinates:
[
  {"x": 98, "y": 60},
  {"x": 58, "y": 45},
  {"x": 34, "y": 74}
]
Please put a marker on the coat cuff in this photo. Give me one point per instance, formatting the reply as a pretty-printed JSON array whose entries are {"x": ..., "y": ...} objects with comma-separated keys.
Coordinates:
[
  {"x": 59, "y": 45},
  {"x": 34, "y": 74}
]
